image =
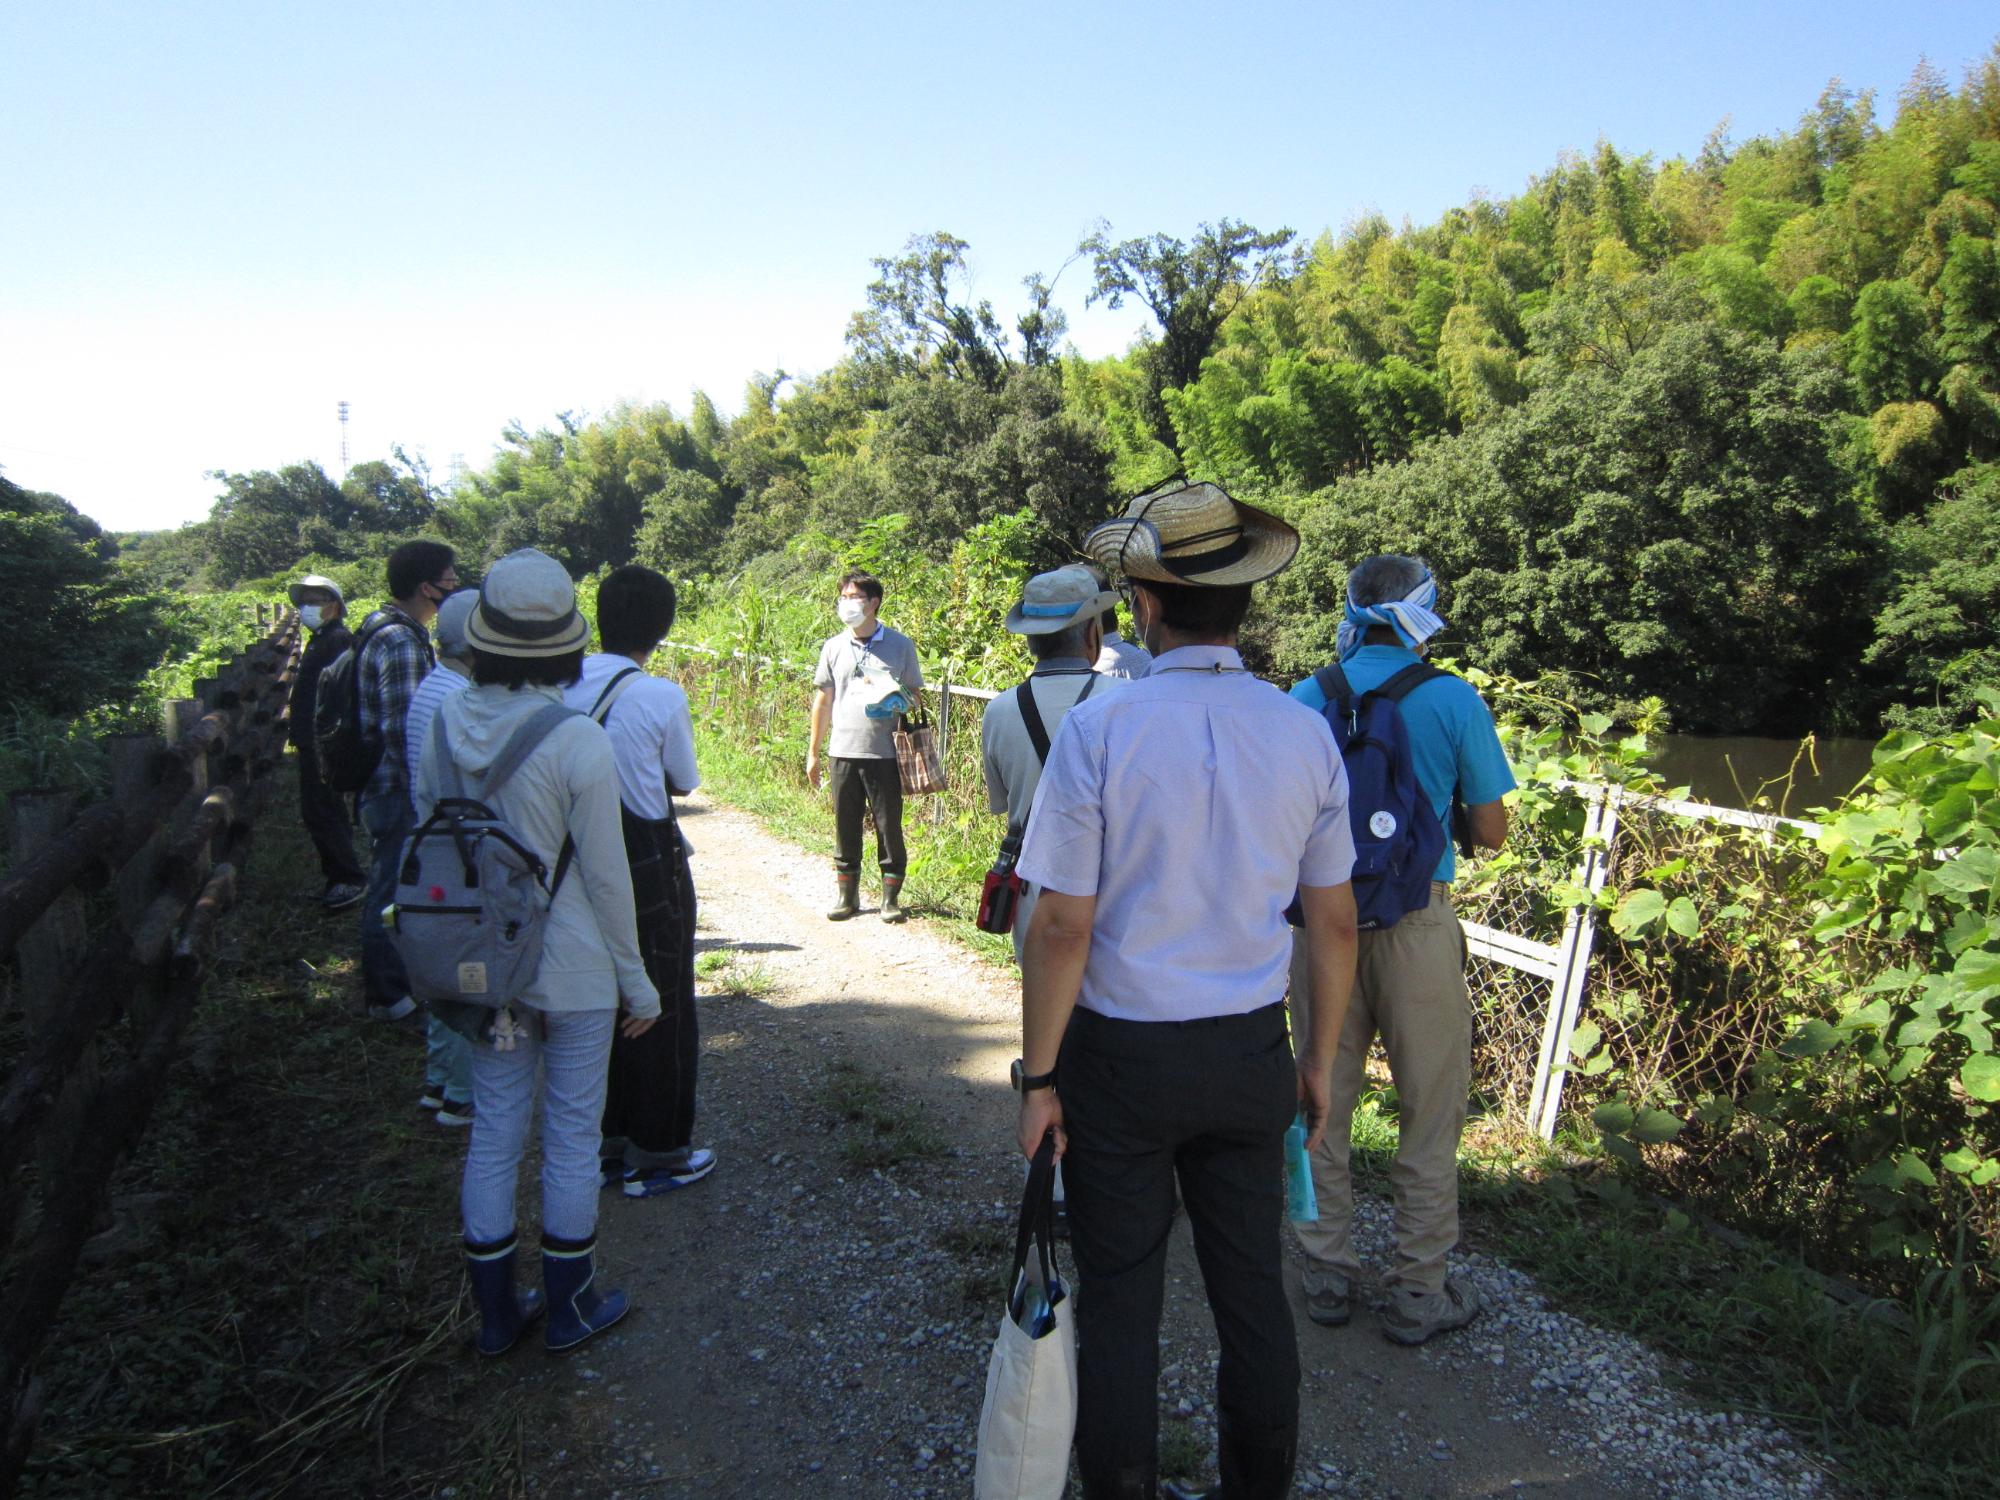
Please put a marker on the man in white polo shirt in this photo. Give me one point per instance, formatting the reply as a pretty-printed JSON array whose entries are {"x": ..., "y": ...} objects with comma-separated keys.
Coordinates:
[
  {"x": 858, "y": 670},
  {"x": 1173, "y": 823}
]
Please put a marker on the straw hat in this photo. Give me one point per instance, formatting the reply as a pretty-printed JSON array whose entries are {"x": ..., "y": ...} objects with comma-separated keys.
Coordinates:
[
  {"x": 1195, "y": 534},
  {"x": 527, "y": 607},
  {"x": 1057, "y": 600}
]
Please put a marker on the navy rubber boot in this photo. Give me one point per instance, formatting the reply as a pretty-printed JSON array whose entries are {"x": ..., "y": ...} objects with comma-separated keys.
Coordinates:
[
  {"x": 504, "y": 1314},
  {"x": 577, "y": 1310}
]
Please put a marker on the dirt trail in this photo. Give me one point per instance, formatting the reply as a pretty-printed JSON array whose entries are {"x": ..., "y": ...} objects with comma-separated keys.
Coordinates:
[{"x": 804, "y": 1327}]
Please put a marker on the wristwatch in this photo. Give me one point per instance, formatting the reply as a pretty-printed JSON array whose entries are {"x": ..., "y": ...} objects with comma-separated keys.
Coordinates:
[{"x": 1026, "y": 1083}]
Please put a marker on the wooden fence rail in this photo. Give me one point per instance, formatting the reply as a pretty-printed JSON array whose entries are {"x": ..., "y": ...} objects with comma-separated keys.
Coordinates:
[{"x": 108, "y": 918}]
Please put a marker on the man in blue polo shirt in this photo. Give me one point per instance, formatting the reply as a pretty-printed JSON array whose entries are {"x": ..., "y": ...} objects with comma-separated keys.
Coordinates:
[
  {"x": 1174, "y": 820},
  {"x": 1409, "y": 983}
]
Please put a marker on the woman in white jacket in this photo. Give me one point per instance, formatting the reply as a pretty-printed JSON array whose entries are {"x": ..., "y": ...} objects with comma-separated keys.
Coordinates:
[{"x": 527, "y": 640}]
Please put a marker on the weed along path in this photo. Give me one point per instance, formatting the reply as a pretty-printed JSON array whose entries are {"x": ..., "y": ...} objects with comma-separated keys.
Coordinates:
[{"x": 814, "y": 1319}]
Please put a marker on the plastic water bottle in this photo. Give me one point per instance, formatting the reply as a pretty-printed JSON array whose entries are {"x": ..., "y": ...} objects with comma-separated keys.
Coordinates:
[{"x": 1301, "y": 1202}]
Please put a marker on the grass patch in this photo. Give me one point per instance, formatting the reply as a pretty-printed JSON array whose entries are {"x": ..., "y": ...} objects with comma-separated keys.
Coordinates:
[
  {"x": 879, "y": 1125},
  {"x": 1905, "y": 1394},
  {"x": 985, "y": 1254},
  {"x": 281, "y": 1311},
  {"x": 1183, "y": 1453}
]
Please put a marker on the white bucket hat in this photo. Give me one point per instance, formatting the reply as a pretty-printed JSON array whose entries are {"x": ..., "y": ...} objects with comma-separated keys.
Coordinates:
[
  {"x": 315, "y": 581},
  {"x": 454, "y": 615},
  {"x": 1194, "y": 534},
  {"x": 1059, "y": 599},
  {"x": 527, "y": 607}
]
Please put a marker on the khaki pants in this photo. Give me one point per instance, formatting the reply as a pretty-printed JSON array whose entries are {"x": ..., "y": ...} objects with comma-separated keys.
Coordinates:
[{"x": 1409, "y": 988}]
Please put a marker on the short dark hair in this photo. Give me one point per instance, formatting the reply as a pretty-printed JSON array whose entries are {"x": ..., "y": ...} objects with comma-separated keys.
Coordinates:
[
  {"x": 1108, "y": 621},
  {"x": 415, "y": 564},
  {"x": 1058, "y": 642},
  {"x": 635, "y": 609},
  {"x": 868, "y": 583},
  {"x": 1197, "y": 610},
  {"x": 491, "y": 669}
]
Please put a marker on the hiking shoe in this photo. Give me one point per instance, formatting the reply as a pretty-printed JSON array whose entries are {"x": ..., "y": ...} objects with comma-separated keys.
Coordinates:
[
  {"x": 432, "y": 1098},
  {"x": 397, "y": 1010},
  {"x": 342, "y": 894},
  {"x": 650, "y": 1182},
  {"x": 1329, "y": 1298},
  {"x": 453, "y": 1113},
  {"x": 1412, "y": 1319}
]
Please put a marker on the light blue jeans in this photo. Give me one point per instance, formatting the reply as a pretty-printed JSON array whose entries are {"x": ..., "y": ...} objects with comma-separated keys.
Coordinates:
[
  {"x": 447, "y": 1060},
  {"x": 573, "y": 1048}
]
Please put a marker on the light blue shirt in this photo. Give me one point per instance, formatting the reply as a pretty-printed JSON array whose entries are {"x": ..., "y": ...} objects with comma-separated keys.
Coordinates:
[
  {"x": 1192, "y": 804},
  {"x": 1452, "y": 739}
]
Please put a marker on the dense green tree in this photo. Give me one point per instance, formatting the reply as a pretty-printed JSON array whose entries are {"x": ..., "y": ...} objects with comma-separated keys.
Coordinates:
[
  {"x": 1889, "y": 350},
  {"x": 1934, "y": 640},
  {"x": 1671, "y": 523},
  {"x": 1188, "y": 286},
  {"x": 75, "y": 633}
]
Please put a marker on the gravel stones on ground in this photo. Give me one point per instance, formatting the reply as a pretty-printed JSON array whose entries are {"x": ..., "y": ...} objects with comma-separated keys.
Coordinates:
[{"x": 807, "y": 1326}]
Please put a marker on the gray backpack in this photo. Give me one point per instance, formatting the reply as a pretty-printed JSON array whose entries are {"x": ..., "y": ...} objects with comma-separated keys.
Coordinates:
[{"x": 472, "y": 900}]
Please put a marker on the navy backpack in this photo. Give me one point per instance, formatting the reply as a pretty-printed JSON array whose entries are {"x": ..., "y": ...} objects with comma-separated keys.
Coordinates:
[{"x": 1398, "y": 839}]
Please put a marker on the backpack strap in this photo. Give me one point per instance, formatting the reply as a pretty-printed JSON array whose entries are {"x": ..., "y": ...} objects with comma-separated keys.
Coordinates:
[
  {"x": 1407, "y": 681},
  {"x": 1031, "y": 719},
  {"x": 1031, "y": 713},
  {"x": 613, "y": 690},
  {"x": 520, "y": 745},
  {"x": 1333, "y": 683}
]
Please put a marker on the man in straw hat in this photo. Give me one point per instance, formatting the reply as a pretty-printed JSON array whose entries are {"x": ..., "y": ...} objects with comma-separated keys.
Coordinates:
[
  {"x": 1058, "y": 617},
  {"x": 1173, "y": 823}
]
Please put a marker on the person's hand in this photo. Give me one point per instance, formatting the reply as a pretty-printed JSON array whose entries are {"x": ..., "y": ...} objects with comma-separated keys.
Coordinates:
[
  {"x": 812, "y": 769},
  {"x": 1041, "y": 1112},
  {"x": 1315, "y": 1100},
  {"x": 637, "y": 1025}
]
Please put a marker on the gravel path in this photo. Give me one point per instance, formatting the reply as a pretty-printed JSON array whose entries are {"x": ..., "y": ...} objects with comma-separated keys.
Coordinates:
[{"x": 807, "y": 1327}]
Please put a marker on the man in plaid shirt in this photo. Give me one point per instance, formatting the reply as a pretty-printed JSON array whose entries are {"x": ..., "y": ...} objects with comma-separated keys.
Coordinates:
[{"x": 396, "y": 655}]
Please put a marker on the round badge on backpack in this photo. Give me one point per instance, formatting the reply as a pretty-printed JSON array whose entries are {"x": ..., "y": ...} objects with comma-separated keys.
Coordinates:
[{"x": 1382, "y": 824}]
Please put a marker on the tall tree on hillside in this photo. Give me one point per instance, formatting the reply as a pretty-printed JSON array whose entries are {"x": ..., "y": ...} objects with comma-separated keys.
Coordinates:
[
  {"x": 1188, "y": 287},
  {"x": 918, "y": 316}
]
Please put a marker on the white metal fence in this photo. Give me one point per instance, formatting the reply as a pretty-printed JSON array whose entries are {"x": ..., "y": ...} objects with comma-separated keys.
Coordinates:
[{"x": 1529, "y": 966}]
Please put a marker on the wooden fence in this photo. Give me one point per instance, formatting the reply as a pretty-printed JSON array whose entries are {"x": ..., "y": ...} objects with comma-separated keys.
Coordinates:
[{"x": 108, "y": 919}]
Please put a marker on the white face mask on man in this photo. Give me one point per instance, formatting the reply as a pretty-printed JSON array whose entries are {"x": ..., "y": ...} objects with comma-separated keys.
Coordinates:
[
  {"x": 311, "y": 616},
  {"x": 852, "y": 611}
]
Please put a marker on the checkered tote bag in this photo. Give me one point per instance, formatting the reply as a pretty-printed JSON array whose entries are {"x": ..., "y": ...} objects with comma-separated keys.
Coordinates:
[{"x": 918, "y": 762}]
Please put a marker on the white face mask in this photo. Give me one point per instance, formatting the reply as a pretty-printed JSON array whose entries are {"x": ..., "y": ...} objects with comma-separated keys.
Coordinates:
[
  {"x": 310, "y": 616},
  {"x": 852, "y": 611}
]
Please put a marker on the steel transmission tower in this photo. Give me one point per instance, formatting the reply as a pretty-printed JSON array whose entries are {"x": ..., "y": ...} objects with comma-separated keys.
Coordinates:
[{"x": 343, "y": 440}]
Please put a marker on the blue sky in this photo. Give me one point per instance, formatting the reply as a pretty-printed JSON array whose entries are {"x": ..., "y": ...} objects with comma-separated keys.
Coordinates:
[{"x": 223, "y": 218}]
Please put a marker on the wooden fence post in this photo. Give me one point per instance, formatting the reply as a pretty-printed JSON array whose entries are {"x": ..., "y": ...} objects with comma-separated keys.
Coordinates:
[{"x": 45, "y": 958}]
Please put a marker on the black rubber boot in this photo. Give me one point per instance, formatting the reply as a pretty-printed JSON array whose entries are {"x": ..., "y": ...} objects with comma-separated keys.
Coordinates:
[
  {"x": 847, "y": 898},
  {"x": 892, "y": 890},
  {"x": 504, "y": 1314}
]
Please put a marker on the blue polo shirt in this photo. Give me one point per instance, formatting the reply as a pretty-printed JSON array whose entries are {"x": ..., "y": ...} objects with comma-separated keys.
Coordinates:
[{"x": 1452, "y": 739}]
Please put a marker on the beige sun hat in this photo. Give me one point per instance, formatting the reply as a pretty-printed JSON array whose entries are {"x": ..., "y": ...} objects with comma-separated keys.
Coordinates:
[
  {"x": 1058, "y": 599},
  {"x": 1193, "y": 533},
  {"x": 314, "y": 581},
  {"x": 527, "y": 607}
]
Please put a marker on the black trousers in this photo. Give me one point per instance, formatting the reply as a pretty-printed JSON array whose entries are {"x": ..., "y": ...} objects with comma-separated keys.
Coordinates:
[
  {"x": 650, "y": 1099},
  {"x": 1143, "y": 1102},
  {"x": 328, "y": 823},
  {"x": 877, "y": 785}
]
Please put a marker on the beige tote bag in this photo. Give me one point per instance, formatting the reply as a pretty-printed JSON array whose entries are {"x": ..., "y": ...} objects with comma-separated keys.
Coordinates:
[{"x": 1029, "y": 1418}]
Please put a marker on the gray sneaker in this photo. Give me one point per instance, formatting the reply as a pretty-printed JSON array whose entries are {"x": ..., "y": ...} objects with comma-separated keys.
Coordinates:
[
  {"x": 1411, "y": 1319},
  {"x": 1329, "y": 1299}
]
